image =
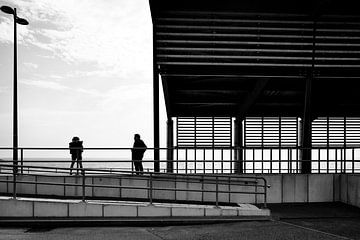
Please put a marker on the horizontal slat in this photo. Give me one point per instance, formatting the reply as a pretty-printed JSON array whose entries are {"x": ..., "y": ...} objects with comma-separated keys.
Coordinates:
[
  {"x": 299, "y": 38},
  {"x": 237, "y": 64},
  {"x": 259, "y": 64},
  {"x": 212, "y": 49},
  {"x": 231, "y": 35},
  {"x": 238, "y": 14},
  {"x": 212, "y": 57},
  {"x": 211, "y": 27},
  {"x": 227, "y": 20},
  {"x": 245, "y": 43},
  {"x": 257, "y": 57}
]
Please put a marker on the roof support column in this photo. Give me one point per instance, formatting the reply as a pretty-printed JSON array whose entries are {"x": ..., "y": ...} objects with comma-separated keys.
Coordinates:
[
  {"x": 306, "y": 129},
  {"x": 156, "y": 107},
  {"x": 170, "y": 146},
  {"x": 307, "y": 117},
  {"x": 238, "y": 143}
]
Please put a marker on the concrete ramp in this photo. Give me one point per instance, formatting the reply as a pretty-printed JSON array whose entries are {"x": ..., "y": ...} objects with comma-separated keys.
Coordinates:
[
  {"x": 31, "y": 209},
  {"x": 226, "y": 190}
]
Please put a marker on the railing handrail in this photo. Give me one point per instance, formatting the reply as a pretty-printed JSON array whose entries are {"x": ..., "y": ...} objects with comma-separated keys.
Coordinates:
[
  {"x": 151, "y": 179},
  {"x": 132, "y": 172},
  {"x": 315, "y": 147}
]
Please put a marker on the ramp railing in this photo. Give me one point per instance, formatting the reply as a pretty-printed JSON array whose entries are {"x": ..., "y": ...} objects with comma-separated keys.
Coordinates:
[{"x": 217, "y": 186}]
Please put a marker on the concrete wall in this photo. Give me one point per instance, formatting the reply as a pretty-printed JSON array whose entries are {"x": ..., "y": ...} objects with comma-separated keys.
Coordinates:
[
  {"x": 302, "y": 188},
  {"x": 285, "y": 188},
  {"x": 350, "y": 189},
  {"x": 26, "y": 208}
]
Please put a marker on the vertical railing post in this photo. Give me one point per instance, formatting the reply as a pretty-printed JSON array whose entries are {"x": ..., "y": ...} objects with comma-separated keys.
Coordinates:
[
  {"x": 353, "y": 161},
  {"x": 327, "y": 144},
  {"x": 151, "y": 189},
  {"x": 22, "y": 160},
  {"x": 202, "y": 188},
  {"x": 256, "y": 191},
  {"x": 280, "y": 145},
  {"x": 213, "y": 159},
  {"x": 341, "y": 161},
  {"x": 222, "y": 160},
  {"x": 265, "y": 193},
  {"x": 253, "y": 159},
  {"x": 195, "y": 150},
  {"x": 217, "y": 192},
  {"x": 14, "y": 184},
  {"x": 231, "y": 160},
  {"x": 204, "y": 166},
  {"x": 336, "y": 161},
  {"x": 289, "y": 160},
  {"x": 229, "y": 189},
  {"x": 319, "y": 161},
  {"x": 262, "y": 144},
  {"x": 271, "y": 162},
  {"x": 177, "y": 159},
  {"x": 186, "y": 160},
  {"x": 83, "y": 184},
  {"x": 345, "y": 141},
  {"x": 170, "y": 146}
]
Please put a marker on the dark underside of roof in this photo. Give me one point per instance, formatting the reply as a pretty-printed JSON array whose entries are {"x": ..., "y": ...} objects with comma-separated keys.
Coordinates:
[{"x": 253, "y": 58}]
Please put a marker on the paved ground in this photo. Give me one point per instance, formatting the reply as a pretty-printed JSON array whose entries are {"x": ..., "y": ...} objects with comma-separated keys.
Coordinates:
[
  {"x": 333, "y": 218},
  {"x": 293, "y": 221},
  {"x": 242, "y": 230}
]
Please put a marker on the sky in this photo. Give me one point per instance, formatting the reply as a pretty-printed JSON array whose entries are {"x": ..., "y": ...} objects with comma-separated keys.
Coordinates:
[{"x": 84, "y": 69}]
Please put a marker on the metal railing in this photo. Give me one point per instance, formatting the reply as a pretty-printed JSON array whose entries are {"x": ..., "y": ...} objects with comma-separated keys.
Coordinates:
[
  {"x": 217, "y": 181},
  {"x": 206, "y": 160}
]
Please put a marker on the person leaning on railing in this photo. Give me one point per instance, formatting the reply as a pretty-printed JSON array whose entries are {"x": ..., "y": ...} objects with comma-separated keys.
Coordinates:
[
  {"x": 137, "y": 153},
  {"x": 76, "y": 149}
]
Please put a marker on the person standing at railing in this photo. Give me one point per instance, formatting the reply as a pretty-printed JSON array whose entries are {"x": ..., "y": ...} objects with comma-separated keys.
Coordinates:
[
  {"x": 76, "y": 149},
  {"x": 137, "y": 153}
]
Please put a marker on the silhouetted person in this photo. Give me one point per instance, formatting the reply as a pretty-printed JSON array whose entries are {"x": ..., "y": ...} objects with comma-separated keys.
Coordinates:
[
  {"x": 76, "y": 149},
  {"x": 137, "y": 153}
]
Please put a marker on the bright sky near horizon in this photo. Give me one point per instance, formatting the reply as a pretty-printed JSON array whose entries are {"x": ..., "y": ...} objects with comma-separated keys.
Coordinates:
[{"x": 84, "y": 69}]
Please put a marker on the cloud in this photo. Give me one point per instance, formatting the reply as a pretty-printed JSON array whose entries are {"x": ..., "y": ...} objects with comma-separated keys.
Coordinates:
[
  {"x": 59, "y": 87},
  {"x": 91, "y": 92},
  {"x": 3, "y": 89},
  {"x": 45, "y": 84},
  {"x": 31, "y": 65},
  {"x": 133, "y": 98},
  {"x": 95, "y": 59},
  {"x": 116, "y": 35}
]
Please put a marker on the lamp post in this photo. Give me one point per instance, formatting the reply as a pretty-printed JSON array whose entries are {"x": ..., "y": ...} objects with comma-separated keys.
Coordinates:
[{"x": 21, "y": 21}]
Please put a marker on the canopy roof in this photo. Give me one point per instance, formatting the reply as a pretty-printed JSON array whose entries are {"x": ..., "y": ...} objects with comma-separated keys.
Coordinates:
[{"x": 252, "y": 58}]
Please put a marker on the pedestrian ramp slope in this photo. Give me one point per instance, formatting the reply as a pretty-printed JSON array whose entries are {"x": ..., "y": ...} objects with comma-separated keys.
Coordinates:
[
  {"x": 34, "y": 208},
  {"x": 212, "y": 189}
]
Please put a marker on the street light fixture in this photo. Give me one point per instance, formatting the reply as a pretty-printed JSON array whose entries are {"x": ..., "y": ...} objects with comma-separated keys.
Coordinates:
[{"x": 20, "y": 21}]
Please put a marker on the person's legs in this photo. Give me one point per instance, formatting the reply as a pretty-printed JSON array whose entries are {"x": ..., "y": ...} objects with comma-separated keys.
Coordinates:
[
  {"x": 141, "y": 169},
  {"x": 73, "y": 158},
  {"x": 80, "y": 166},
  {"x": 137, "y": 166}
]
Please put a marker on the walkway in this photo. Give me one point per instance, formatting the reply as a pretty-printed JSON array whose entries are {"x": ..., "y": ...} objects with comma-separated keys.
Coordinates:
[{"x": 331, "y": 221}]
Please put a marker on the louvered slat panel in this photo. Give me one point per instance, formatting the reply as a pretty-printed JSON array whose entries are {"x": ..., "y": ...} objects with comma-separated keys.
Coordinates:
[
  {"x": 336, "y": 132},
  {"x": 257, "y": 39},
  {"x": 262, "y": 132},
  {"x": 204, "y": 132}
]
